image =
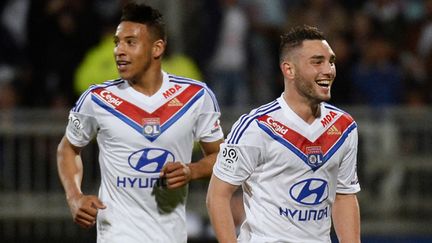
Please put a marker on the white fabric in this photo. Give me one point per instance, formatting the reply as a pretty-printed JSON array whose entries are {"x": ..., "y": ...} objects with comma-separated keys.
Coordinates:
[
  {"x": 134, "y": 142},
  {"x": 290, "y": 171}
]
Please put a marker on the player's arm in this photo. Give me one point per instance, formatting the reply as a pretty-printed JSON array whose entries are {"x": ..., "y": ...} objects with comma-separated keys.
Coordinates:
[
  {"x": 219, "y": 207},
  {"x": 204, "y": 167},
  {"x": 178, "y": 174},
  {"x": 346, "y": 218},
  {"x": 70, "y": 169}
]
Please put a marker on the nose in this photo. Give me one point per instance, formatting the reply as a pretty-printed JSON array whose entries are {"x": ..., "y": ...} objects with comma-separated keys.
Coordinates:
[
  {"x": 329, "y": 68},
  {"x": 119, "y": 49}
]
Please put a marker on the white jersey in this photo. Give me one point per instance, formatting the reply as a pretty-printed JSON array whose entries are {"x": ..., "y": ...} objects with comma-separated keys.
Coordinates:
[
  {"x": 137, "y": 135},
  {"x": 290, "y": 171}
]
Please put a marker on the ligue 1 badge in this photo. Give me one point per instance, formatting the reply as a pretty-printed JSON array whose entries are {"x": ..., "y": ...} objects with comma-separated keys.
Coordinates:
[{"x": 151, "y": 127}]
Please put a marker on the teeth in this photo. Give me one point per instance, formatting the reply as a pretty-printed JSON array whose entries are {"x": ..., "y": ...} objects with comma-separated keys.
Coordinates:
[{"x": 323, "y": 83}]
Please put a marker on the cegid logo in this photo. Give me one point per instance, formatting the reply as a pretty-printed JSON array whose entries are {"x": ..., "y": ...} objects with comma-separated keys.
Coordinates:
[
  {"x": 311, "y": 191},
  {"x": 277, "y": 126},
  {"x": 110, "y": 98},
  {"x": 150, "y": 160}
]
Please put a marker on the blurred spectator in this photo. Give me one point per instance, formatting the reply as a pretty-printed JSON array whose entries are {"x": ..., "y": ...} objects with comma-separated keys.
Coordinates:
[
  {"x": 387, "y": 16},
  {"x": 60, "y": 31},
  {"x": 13, "y": 28},
  {"x": 377, "y": 77},
  {"x": 361, "y": 31},
  {"x": 202, "y": 21},
  {"x": 267, "y": 22},
  {"x": 342, "y": 91},
  {"x": 228, "y": 66},
  {"x": 180, "y": 64},
  {"x": 424, "y": 44},
  {"x": 328, "y": 15},
  {"x": 97, "y": 65},
  {"x": 8, "y": 97},
  {"x": 427, "y": 88}
]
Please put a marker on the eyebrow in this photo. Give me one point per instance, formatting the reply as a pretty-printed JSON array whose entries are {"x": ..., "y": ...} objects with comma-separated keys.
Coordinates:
[
  {"x": 322, "y": 57},
  {"x": 117, "y": 38},
  {"x": 126, "y": 37}
]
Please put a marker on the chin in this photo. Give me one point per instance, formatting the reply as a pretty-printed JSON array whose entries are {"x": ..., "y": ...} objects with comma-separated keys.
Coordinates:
[
  {"x": 125, "y": 77},
  {"x": 324, "y": 99}
]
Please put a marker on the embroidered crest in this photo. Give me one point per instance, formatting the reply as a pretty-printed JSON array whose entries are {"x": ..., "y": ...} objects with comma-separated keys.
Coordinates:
[{"x": 151, "y": 127}]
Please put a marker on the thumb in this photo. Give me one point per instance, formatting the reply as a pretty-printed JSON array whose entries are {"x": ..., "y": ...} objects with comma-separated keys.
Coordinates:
[
  {"x": 98, "y": 204},
  {"x": 164, "y": 169}
]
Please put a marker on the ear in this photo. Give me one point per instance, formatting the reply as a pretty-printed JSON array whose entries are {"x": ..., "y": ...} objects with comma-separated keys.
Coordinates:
[
  {"x": 288, "y": 69},
  {"x": 158, "y": 49}
]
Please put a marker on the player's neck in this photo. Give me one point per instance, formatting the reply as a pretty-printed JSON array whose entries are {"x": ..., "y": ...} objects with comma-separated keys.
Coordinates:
[
  {"x": 149, "y": 83},
  {"x": 308, "y": 111}
]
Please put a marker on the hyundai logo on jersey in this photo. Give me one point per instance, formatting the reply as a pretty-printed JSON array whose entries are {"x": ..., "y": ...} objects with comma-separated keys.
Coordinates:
[
  {"x": 150, "y": 160},
  {"x": 151, "y": 127},
  {"x": 311, "y": 191}
]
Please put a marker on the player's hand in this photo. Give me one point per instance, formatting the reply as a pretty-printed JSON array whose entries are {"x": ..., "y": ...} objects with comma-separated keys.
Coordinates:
[
  {"x": 84, "y": 209},
  {"x": 177, "y": 174}
]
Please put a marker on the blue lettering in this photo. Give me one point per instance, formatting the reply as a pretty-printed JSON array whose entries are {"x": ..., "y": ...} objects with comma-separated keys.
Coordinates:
[
  {"x": 314, "y": 213},
  {"x": 322, "y": 213},
  {"x": 141, "y": 185},
  {"x": 283, "y": 212},
  {"x": 292, "y": 213},
  {"x": 122, "y": 182},
  {"x": 301, "y": 213},
  {"x": 132, "y": 181},
  {"x": 304, "y": 215}
]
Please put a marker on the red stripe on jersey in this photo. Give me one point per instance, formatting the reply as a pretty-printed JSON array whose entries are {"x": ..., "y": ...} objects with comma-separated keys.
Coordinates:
[
  {"x": 326, "y": 141},
  {"x": 133, "y": 112}
]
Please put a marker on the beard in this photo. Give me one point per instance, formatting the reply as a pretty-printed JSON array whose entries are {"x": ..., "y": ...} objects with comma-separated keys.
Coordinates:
[{"x": 310, "y": 90}]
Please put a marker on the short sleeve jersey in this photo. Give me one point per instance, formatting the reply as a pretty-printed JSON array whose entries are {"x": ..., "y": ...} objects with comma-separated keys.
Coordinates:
[
  {"x": 289, "y": 170},
  {"x": 137, "y": 135}
]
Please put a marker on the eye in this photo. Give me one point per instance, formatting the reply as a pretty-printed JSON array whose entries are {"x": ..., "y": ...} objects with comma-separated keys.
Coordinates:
[
  {"x": 332, "y": 61},
  {"x": 131, "y": 42}
]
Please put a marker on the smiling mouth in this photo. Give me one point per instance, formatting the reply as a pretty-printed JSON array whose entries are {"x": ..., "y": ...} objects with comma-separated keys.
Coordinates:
[
  {"x": 324, "y": 83},
  {"x": 122, "y": 64}
]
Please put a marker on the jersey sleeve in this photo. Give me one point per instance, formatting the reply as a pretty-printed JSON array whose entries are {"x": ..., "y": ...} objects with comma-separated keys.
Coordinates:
[
  {"x": 82, "y": 126},
  {"x": 347, "y": 177},
  {"x": 207, "y": 128},
  {"x": 240, "y": 154}
]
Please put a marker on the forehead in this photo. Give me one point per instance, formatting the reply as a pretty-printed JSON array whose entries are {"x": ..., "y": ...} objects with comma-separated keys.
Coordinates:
[
  {"x": 312, "y": 48},
  {"x": 131, "y": 29}
]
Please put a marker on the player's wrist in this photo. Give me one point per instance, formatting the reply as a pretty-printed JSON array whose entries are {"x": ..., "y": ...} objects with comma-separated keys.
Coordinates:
[
  {"x": 73, "y": 196},
  {"x": 190, "y": 171}
]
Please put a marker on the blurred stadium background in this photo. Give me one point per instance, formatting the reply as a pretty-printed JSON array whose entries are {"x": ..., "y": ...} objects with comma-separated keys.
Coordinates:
[{"x": 51, "y": 50}]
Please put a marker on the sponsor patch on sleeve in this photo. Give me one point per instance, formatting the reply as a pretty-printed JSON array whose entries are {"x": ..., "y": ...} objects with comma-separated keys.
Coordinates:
[
  {"x": 229, "y": 158},
  {"x": 75, "y": 125},
  {"x": 216, "y": 127}
]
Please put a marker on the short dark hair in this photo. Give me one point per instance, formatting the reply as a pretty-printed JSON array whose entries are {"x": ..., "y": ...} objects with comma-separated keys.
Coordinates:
[
  {"x": 294, "y": 38},
  {"x": 144, "y": 14}
]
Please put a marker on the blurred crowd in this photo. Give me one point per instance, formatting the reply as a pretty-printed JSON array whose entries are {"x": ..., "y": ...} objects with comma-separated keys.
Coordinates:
[{"x": 51, "y": 50}]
